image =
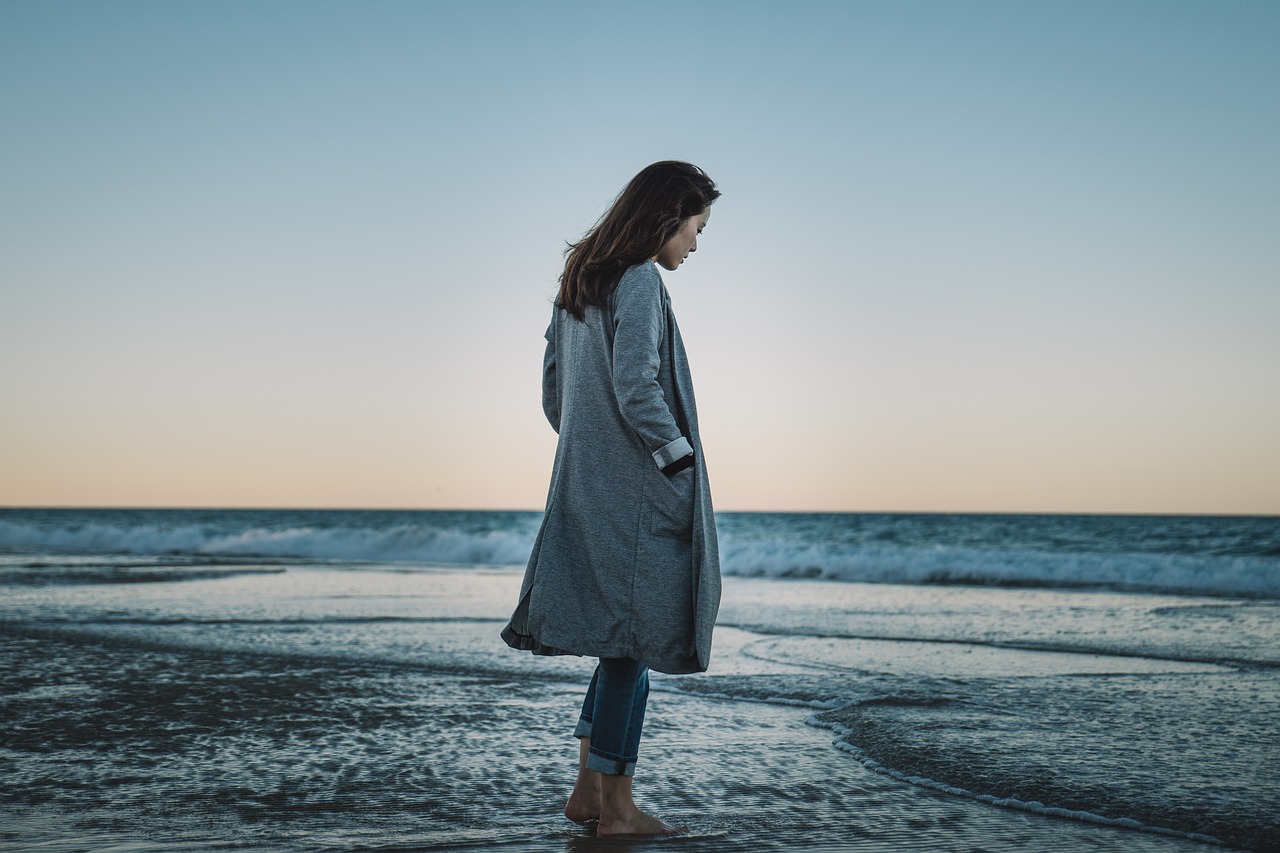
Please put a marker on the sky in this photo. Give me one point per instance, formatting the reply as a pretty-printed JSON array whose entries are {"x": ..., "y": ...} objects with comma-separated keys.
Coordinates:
[{"x": 970, "y": 257}]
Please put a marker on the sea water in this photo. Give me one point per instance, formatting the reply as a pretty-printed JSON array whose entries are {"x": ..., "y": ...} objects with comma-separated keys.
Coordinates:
[{"x": 290, "y": 680}]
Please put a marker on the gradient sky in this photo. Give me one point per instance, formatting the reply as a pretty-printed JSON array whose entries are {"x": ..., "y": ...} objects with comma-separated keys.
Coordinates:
[{"x": 971, "y": 256}]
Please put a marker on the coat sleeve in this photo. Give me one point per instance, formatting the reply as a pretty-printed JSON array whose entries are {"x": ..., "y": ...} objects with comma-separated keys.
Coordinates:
[
  {"x": 639, "y": 323},
  {"x": 550, "y": 390}
]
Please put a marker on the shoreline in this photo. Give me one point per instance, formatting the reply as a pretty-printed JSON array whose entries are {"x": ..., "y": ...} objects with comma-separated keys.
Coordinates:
[
  {"x": 383, "y": 706},
  {"x": 788, "y": 789}
]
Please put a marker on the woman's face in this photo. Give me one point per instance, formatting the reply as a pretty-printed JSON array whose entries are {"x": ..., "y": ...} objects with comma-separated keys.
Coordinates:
[{"x": 675, "y": 250}]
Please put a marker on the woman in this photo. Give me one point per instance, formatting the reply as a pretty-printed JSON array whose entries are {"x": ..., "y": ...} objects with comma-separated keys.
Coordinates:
[{"x": 625, "y": 567}]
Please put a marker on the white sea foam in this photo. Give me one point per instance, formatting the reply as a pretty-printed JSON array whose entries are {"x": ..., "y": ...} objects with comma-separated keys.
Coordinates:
[
  {"x": 1209, "y": 575},
  {"x": 401, "y": 543},
  {"x": 483, "y": 539}
]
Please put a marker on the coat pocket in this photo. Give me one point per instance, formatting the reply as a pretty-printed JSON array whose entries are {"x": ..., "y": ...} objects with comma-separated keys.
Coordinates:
[{"x": 671, "y": 503}]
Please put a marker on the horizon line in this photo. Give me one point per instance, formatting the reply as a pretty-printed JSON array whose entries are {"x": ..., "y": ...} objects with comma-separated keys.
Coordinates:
[{"x": 248, "y": 508}]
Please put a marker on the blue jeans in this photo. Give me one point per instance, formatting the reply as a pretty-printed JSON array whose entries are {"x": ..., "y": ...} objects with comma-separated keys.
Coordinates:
[{"x": 613, "y": 715}]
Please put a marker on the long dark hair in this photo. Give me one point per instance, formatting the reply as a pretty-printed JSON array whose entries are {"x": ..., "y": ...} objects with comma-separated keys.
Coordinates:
[{"x": 644, "y": 216}]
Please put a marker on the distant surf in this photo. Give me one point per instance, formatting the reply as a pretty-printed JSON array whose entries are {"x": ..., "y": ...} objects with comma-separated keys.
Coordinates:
[{"x": 1233, "y": 557}]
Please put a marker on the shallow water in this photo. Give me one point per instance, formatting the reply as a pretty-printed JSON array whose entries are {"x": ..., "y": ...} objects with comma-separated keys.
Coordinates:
[
  {"x": 351, "y": 708},
  {"x": 166, "y": 750}
]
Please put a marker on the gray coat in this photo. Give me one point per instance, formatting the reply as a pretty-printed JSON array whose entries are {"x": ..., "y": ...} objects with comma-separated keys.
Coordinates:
[{"x": 626, "y": 562}]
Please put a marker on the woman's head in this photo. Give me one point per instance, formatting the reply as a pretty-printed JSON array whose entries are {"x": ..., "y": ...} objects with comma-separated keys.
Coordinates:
[
  {"x": 683, "y": 243},
  {"x": 657, "y": 216}
]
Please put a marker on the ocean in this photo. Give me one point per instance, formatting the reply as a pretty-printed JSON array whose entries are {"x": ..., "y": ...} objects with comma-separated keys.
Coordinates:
[{"x": 272, "y": 680}]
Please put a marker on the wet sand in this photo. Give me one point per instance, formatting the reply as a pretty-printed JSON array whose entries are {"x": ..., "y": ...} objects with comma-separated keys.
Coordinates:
[{"x": 162, "y": 732}]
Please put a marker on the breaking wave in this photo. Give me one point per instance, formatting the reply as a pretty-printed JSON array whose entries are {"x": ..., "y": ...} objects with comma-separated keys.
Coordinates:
[
  {"x": 751, "y": 545},
  {"x": 1204, "y": 575}
]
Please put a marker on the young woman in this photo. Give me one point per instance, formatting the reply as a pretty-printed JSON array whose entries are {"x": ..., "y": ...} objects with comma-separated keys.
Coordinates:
[{"x": 625, "y": 567}]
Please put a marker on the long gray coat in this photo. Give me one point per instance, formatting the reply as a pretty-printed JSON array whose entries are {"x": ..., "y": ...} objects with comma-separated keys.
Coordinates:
[{"x": 626, "y": 562}]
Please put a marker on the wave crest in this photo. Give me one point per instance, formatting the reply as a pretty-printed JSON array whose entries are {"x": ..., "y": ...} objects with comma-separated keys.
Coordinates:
[
  {"x": 401, "y": 543},
  {"x": 746, "y": 548},
  {"x": 1231, "y": 576}
]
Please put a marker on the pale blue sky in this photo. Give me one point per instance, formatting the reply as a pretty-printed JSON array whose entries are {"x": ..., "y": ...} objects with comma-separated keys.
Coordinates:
[{"x": 970, "y": 256}]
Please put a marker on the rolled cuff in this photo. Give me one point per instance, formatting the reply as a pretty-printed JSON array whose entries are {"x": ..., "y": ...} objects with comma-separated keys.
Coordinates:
[
  {"x": 610, "y": 766},
  {"x": 669, "y": 453}
]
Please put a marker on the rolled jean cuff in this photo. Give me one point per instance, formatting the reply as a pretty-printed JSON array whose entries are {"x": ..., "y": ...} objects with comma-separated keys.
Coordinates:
[
  {"x": 583, "y": 729},
  {"x": 609, "y": 765}
]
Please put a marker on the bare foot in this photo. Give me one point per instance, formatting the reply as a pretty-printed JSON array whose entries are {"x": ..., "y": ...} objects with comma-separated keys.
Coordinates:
[
  {"x": 583, "y": 805},
  {"x": 584, "y": 802},
  {"x": 636, "y": 822},
  {"x": 619, "y": 814}
]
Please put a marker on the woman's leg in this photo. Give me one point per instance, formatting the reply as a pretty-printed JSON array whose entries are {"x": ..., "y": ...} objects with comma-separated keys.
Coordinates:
[
  {"x": 584, "y": 801},
  {"x": 622, "y": 692},
  {"x": 610, "y": 727}
]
